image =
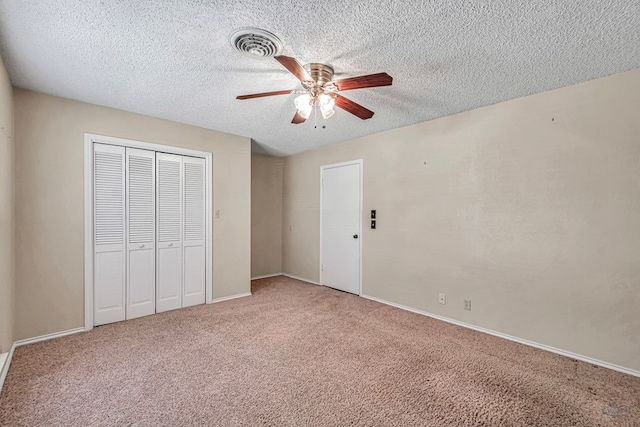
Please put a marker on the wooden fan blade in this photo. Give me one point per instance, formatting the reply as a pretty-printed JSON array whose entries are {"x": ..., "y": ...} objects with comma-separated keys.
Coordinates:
[
  {"x": 260, "y": 95},
  {"x": 297, "y": 119},
  {"x": 294, "y": 67},
  {"x": 355, "y": 109},
  {"x": 371, "y": 80}
]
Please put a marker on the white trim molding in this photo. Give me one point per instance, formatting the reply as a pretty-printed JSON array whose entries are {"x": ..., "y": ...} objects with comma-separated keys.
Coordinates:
[
  {"x": 291, "y": 276},
  {"x": 4, "y": 366},
  {"x": 89, "y": 140},
  {"x": 510, "y": 337},
  {"x": 266, "y": 276},
  {"x": 359, "y": 162},
  {"x": 5, "y": 369},
  {"x": 48, "y": 337},
  {"x": 230, "y": 297}
]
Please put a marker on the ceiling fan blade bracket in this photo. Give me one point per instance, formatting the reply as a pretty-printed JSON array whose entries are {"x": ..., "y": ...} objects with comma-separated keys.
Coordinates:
[{"x": 330, "y": 87}]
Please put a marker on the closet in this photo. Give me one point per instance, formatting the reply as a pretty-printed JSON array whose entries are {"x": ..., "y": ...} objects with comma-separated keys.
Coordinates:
[{"x": 149, "y": 232}]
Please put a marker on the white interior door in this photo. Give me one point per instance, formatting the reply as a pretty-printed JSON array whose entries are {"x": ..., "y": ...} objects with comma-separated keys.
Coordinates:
[
  {"x": 193, "y": 243},
  {"x": 341, "y": 214},
  {"x": 141, "y": 232},
  {"x": 109, "y": 233},
  {"x": 169, "y": 223}
]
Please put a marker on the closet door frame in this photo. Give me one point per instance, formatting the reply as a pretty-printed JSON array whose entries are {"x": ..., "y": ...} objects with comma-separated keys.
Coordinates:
[{"x": 89, "y": 140}]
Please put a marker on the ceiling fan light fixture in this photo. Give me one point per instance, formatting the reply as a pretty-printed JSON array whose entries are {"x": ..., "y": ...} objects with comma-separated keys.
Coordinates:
[
  {"x": 326, "y": 112},
  {"x": 303, "y": 105},
  {"x": 326, "y": 102}
]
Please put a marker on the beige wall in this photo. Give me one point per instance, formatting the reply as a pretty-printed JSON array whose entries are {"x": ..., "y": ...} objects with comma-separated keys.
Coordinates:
[
  {"x": 49, "y": 203},
  {"x": 6, "y": 211},
  {"x": 266, "y": 215},
  {"x": 530, "y": 208}
]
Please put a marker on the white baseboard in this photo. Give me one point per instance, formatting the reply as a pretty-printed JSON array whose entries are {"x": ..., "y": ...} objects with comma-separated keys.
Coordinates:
[
  {"x": 5, "y": 368},
  {"x": 48, "y": 337},
  {"x": 285, "y": 275},
  {"x": 4, "y": 362},
  {"x": 266, "y": 276},
  {"x": 511, "y": 338},
  {"x": 7, "y": 362},
  {"x": 246, "y": 294},
  {"x": 300, "y": 278}
]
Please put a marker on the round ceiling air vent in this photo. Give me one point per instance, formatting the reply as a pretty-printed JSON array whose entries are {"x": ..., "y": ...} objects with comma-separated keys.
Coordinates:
[{"x": 256, "y": 43}]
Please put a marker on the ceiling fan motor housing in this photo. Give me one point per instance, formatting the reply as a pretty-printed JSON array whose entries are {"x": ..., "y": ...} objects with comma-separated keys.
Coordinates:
[{"x": 320, "y": 73}]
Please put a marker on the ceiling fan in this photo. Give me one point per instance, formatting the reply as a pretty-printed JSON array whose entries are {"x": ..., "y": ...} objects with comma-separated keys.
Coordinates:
[{"x": 320, "y": 91}]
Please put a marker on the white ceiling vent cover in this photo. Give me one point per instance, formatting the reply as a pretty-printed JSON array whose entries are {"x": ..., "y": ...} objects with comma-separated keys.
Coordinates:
[{"x": 256, "y": 43}]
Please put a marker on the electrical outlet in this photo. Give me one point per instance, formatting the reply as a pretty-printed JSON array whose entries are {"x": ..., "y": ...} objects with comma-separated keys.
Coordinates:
[
  {"x": 442, "y": 299},
  {"x": 467, "y": 304}
]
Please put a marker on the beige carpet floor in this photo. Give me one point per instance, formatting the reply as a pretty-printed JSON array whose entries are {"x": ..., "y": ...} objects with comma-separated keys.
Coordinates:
[{"x": 296, "y": 354}]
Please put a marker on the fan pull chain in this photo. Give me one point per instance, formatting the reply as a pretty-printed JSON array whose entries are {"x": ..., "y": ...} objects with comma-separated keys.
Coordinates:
[{"x": 315, "y": 115}]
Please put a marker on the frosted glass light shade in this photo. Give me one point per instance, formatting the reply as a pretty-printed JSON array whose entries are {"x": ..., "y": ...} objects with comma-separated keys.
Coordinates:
[
  {"x": 303, "y": 105},
  {"x": 327, "y": 103},
  {"x": 326, "y": 111}
]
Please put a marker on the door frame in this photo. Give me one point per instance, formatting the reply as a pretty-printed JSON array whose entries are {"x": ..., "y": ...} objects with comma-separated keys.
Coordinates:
[
  {"x": 89, "y": 140},
  {"x": 332, "y": 166}
]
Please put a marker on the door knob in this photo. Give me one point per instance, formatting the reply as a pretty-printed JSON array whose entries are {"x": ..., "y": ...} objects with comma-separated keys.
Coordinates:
[{"x": 355, "y": 236}]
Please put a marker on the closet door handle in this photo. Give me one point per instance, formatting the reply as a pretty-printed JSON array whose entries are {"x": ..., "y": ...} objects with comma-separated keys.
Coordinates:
[
  {"x": 141, "y": 246},
  {"x": 170, "y": 244}
]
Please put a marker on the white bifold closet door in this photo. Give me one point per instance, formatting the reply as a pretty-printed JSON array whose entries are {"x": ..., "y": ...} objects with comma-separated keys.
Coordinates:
[
  {"x": 109, "y": 234},
  {"x": 193, "y": 242},
  {"x": 149, "y": 221},
  {"x": 181, "y": 254},
  {"x": 141, "y": 232},
  {"x": 169, "y": 254}
]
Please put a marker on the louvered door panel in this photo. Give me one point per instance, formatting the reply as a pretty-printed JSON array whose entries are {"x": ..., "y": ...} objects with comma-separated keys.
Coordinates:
[
  {"x": 169, "y": 197},
  {"x": 109, "y": 197},
  {"x": 109, "y": 233},
  {"x": 141, "y": 248},
  {"x": 169, "y": 225},
  {"x": 194, "y": 254}
]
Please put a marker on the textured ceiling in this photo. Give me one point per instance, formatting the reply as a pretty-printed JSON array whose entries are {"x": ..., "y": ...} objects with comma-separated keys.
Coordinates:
[{"x": 172, "y": 59}]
